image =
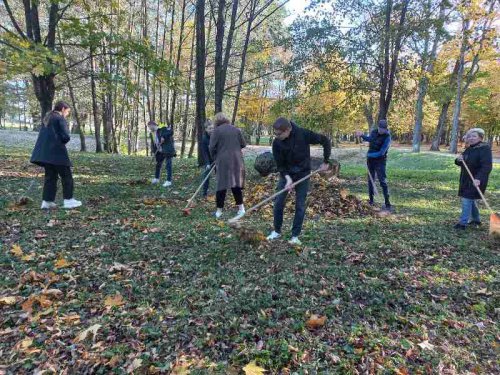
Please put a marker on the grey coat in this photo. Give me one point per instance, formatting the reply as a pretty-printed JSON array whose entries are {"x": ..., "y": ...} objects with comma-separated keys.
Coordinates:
[{"x": 225, "y": 147}]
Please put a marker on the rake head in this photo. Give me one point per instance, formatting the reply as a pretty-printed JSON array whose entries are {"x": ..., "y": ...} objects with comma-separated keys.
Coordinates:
[{"x": 186, "y": 211}]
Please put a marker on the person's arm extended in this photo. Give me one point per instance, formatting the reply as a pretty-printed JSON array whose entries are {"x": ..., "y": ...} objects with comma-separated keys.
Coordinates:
[
  {"x": 61, "y": 130},
  {"x": 383, "y": 149},
  {"x": 320, "y": 139}
]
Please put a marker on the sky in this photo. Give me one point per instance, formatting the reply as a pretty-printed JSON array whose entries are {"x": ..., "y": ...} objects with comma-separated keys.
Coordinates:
[{"x": 295, "y": 7}]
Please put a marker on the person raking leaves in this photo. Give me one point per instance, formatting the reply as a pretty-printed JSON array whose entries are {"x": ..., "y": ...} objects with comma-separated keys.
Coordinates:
[
  {"x": 292, "y": 153},
  {"x": 478, "y": 159},
  {"x": 376, "y": 160},
  {"x": 162, "y": 147}
]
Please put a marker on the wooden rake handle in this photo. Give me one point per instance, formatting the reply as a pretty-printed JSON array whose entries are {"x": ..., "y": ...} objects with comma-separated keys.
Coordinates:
[
  {"x": 477, "y": 187},
  {"x": 199, "y": 187},
  {"x": 238, "y": 217}
]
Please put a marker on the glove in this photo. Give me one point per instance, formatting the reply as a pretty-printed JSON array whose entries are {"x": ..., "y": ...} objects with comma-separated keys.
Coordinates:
[{"x": 208, "y": 167}]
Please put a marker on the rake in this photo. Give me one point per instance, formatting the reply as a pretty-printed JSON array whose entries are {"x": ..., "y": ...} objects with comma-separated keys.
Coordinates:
[
  {"x": 494, "y": 217},
  {"x": 187, "y": 210}
]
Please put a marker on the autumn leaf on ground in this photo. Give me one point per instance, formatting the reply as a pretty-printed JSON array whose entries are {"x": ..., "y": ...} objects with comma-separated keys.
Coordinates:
[
  {"x": 28, "y": 257},
  {"x": 136, "y": 363},
  {"x": 10, "y": 300},
  {"x": 16, "y": 250},
  {"x": 426, "y": 345},
  {"x": 315, "y": 321},
  {"x": 61, "y": 263},
  {"x": 253, "y": 369},
  {"x": 114, "y": 301},
  {"x": 42, "y": 300},
  {"x": 83, "y": 335},
  {"x": 56, "y": 293},
  {"x": 24, "y": 344}
]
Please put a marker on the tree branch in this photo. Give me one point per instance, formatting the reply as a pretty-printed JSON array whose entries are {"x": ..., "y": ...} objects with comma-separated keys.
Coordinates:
[{"x": 13, "y": 20}]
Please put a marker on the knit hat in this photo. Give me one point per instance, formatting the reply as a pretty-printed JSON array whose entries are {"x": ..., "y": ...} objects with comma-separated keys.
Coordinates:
[{"x": 382, "y": 124}]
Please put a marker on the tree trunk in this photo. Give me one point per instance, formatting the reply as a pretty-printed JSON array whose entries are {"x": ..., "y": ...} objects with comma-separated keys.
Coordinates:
[
  {"x": 458, "y": 98},
  {"x": 178, "y": 60},
  {"x": 253, "y": 5},
  {"x": 219, "y": 43},
  {"x": 95, "y": 107},
  {"x": 436, "y": 141},
  {"x": 200, "y": 77},
  {"x": 188, "y": 96}
]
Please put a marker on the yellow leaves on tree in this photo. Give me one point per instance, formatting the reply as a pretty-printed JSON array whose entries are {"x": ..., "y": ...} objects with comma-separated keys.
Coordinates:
[{"x": 253, "y": 369}]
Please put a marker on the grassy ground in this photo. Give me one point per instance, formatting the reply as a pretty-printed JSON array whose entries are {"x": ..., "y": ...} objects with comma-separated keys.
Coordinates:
[{"x": 160, "y": 292}]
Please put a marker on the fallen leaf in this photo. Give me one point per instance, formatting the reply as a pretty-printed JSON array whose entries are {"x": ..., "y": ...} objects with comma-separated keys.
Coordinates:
[
  {"x": 114, "y": 301},
  {"x": 10, "y": 300},
  {"x": 28, "y": 257},
  {"x": 315, "y": 321},
  {"x": 426, "y": 345},
  {"x": 16, "y": 250},
  {"x": 253, "y": 369},
  {"x": 83, "y": 335},
  {"x": 56, "y": 293},
  {"x": 136, "y": 363},
  {"x": 61, "y": 263},
  {"x": 24, "y": 344}
]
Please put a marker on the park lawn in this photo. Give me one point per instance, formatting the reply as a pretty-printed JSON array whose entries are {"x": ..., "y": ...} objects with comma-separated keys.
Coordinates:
[{"x": 161, "y": 292}]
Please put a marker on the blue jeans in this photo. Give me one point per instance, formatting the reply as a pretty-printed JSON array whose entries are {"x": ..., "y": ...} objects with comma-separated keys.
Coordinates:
[
  {"x": 376, "y": 167},
  {"x": 207, "y": 182},
  {"x": 469, "y": 211},
  {"x": 168, "y": 165},
  {"x": 300, "y": 206}
]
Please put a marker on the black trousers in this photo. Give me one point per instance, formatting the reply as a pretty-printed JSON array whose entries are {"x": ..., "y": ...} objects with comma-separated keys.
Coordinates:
[
  {"x": 52, "y": 173},
  {"x": 220, "y": 196}
]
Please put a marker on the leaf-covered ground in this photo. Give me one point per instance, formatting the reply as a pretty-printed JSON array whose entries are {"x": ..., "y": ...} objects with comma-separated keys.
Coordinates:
[{"x": 127, "y": 284}]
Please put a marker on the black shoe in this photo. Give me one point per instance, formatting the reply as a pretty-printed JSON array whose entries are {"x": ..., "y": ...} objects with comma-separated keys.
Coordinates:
[
  {"x": 387, "y": 208},
  {"x": 475, "y": 223},
  {"x": 459, "y": 226}
]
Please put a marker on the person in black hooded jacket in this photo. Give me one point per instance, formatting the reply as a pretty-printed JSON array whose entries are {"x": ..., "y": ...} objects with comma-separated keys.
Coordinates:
[
  {"x": 479, "y": 159},
  {"x": 163, "y": 148},
  {"x": 207, "y": 158},
  {"x": 50, "y": 152}
]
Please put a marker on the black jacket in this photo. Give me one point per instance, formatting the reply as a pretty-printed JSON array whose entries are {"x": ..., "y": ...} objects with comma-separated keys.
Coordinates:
[
  {"x": 205, "y": 149},
  {"x": 167, "y": 147},
  {"x": 479, "y": 160},
  {"x": 50, "y": 147},
  {"x": 293, "y": 155}
]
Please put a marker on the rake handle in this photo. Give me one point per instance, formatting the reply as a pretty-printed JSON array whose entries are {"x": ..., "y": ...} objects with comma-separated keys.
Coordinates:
[
  {"x": 276, "y": 194},
  {"x": 199, "y": 187},
  {"x": 477, "y": 187}
]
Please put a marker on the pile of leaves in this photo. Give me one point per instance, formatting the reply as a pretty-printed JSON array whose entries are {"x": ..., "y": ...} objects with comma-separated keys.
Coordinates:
[{"x": 328, "y": 198}]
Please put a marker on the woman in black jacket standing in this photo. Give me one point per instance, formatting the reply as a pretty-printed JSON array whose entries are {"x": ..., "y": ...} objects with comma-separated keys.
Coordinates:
[
  {"x": 50, "y": 152},
  {"x": 478, "y": 158}
]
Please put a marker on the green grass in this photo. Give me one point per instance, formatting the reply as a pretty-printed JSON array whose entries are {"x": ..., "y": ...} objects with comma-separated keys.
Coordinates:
[{"x": 196, "y": 296}]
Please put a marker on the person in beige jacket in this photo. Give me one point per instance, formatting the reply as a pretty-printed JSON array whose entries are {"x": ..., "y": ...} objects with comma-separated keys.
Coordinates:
[{"x": 225, "y": 147}]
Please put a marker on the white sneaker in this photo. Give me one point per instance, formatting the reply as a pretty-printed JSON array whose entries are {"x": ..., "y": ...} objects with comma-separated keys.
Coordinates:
[
  {"x": 155, "y": 181},
  {"x": 48, "y": 205},
  {"x": 295, "y": 241},
  {"x": 72, "y": 203},
  {"x": 240, "y": 214},
  {"x": 167, "y": 183},
  {"x": 218, "y": 214},
  {"x": 274, "y": 235}
]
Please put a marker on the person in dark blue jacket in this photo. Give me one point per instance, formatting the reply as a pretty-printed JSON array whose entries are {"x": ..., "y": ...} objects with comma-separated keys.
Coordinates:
[
  {"x": 379, "y": 143},
  {"x": 207, "y": 158},
  {"x": 50, "y": 152},
  {"x": 292, "y": 153},
  {"x": 163, "y": 148}
]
